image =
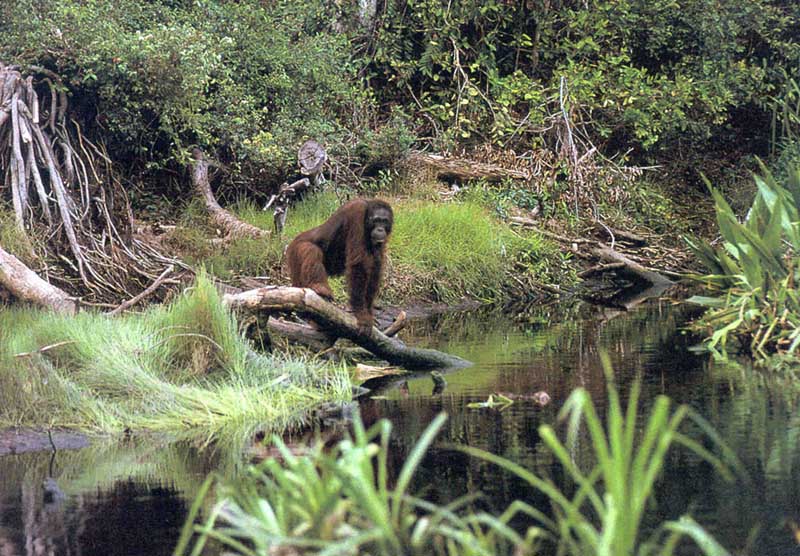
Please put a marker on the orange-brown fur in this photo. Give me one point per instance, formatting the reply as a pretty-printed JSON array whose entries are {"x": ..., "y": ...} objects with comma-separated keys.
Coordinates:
[{"x": 342, "y": 245}]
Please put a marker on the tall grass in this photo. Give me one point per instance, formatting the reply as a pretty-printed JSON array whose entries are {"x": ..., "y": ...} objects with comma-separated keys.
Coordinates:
[
  {"x": 183, "y": 366},
  {"x": 455, "y": 249},
  {"x": 604, "y": 515},
  {"x": 339, "y": 502},
  {"x": 343, "y": 502}
]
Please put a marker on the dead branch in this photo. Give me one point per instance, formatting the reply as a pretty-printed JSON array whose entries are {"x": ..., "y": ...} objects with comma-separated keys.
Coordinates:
[
  {"x": 464, "y": 170},
  {"x": 26, "y": 285},
  {"x": 339, "y": 324},
  {"x": 149, "y": 291},
  {"x": 300, "y": 333},
  {"x": 221, "y": 217},
  {"x": 397, "y": 325},
  {"x": 594, "y": 250},
  {"x": 619, "y": 235}
]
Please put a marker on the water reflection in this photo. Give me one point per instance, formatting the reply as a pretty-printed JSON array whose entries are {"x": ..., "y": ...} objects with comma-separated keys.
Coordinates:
[
  {"x": 556, "y": 350},
  {"x": 130, "y": 498},
  {"x": 111, "y": 499}
]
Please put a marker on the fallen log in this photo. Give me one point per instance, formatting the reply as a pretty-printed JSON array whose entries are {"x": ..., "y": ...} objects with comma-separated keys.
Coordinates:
[
  {"x": 26, "y": 285},
  {"x": 338, "y": 323},
  {"x": 615, "y": 234},
  {"x": 464, "y": 170},
  {"x": 222, "y": 218},
  {"x": 631, "y": 267},
  {"x": 615, "y": 261}
]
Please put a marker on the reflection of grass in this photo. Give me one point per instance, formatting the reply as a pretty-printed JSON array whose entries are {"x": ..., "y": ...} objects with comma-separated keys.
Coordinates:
[{"x": 172, "y": 368}]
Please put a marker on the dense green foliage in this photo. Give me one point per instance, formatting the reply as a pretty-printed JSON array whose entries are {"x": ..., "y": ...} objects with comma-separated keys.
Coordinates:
[
  {"x": 177, "y": 367},
  {"x": 757, "y": 267},
  {"x": 156, "y": 77},
  {"x": 251, "y": 79},
  {"x": 341, "y": 502}
]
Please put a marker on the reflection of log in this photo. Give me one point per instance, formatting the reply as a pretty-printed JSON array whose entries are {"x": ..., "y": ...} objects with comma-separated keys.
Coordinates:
[
  {"x": 464, "y": 170},
  {"x": 26, "y": 285},
  {"x": 338, "y": 323},
  {"x": 221, "y": 217}
]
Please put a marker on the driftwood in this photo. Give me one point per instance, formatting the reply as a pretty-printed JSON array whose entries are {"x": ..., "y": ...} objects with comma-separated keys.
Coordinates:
[
  {"x": 300, "y": 333},
  {"x": 611, "y": 259},
  {"x": 316, "y": 339},
  {"x": 630, "y": 267},
  {"x": 464, "y": 170},
  {"x": 341, "y": 324},
  {"x": 226, "y": 221},
  {"x": 26, "y": 285}
]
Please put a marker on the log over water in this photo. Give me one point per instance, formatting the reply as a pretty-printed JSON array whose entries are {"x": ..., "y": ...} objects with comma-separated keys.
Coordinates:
[{"x": 307, "y": 303}]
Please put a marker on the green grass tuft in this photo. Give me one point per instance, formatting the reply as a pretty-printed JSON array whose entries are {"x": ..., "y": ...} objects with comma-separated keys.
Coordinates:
[
  {"x": 183, "y": 366},
  {"x": 454, "y": 250}
]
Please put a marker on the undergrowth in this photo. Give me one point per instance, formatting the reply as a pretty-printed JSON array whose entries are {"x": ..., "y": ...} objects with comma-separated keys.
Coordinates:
[
  {"x": 172, "y": 368},
  {"x": 437, "y": 252}
]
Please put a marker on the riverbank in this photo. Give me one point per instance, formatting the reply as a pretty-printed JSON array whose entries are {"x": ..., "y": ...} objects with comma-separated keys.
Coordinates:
[{"x": 174, "y": 367}]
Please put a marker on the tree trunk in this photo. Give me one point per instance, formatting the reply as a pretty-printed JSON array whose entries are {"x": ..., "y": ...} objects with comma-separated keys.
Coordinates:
[
  {"x": 221, "y": 217},
  {"x": 26, "y": 285}
]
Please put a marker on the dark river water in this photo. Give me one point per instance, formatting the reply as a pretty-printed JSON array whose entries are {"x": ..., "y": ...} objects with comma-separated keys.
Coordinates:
[{"x": 130, "y": 498}]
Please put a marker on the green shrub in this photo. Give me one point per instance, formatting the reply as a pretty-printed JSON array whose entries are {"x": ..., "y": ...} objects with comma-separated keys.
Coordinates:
[
  {"x": 248, "y": 80},
  {"x": 756, "y": 266}
]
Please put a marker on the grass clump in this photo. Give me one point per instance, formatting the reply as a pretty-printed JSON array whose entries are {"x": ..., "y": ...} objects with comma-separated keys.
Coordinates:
[
  {"x": 343, "y": 501},
  {"x": 340, "y": 502},
  {"x": 454, "y": 250},
  {"x": 171, "y": 368}
]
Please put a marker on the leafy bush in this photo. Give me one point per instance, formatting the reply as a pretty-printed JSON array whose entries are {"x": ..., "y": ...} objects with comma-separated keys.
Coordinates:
[
  {"x": 247, "y": 79},
  {"x": 645, "y": 74},
  {"x": 756, "y": 266}
]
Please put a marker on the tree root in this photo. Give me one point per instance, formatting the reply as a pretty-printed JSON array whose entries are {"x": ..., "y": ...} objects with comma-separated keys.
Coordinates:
[{"x": 63, "y": 185}]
